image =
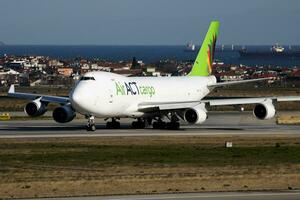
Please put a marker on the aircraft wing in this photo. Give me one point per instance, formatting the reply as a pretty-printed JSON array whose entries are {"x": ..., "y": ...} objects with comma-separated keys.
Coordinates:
[
  {"x": 165, "y": 106},
  {"x": 242, "y": 101},
  {"x": 238, "y": 82},
  {"x": 44, "y": 98}
]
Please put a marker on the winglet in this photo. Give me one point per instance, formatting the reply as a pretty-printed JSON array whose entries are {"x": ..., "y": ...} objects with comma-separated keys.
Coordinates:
[{"x": 11, "y": 89}]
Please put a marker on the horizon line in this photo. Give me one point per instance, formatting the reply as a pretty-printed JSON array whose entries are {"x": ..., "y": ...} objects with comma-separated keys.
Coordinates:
[{"x": 4, "y": 44}]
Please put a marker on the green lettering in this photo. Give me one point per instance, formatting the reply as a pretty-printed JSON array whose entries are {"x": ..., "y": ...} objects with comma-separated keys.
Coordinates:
[
  {"x": 152, "y": 91},
  {"x": 147, "y": 90},
  {"x": 120, "y": 89}
]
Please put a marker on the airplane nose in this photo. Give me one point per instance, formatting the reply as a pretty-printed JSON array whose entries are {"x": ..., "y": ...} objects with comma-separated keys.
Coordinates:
[
  {"x": 81, "y": 99},
  {"x": 76, "y": 98}
]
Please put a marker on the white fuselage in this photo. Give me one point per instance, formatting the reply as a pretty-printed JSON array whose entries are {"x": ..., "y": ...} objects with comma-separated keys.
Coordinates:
[{"x": 113, "y": 95}]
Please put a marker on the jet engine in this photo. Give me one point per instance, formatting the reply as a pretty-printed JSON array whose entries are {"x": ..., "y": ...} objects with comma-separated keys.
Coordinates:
[
  {"x": 35, "y": 108},
  {"x": 63, "y": 114},
  {"x": 265, "y": 110},
  {"x": 195, "y": 115}
]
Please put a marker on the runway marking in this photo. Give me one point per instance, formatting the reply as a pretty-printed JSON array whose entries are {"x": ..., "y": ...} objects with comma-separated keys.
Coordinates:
[
  {"x": 128, "y": 133},
  {"x": 106, "y": 135},
  {"x": 183, "y": 196},
  {"x": 207, "y": 196}
]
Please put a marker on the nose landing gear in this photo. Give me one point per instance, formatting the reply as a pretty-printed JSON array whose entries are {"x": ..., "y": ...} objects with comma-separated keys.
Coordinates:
[{"x": 91, "y": 124}]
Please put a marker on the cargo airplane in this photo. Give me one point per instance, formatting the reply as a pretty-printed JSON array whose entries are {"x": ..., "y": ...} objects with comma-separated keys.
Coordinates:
[{"x": 158, "y": 101}]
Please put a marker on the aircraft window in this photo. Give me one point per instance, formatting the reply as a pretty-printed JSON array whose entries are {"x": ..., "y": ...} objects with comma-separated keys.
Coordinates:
[{"x": 85, "y": 78}]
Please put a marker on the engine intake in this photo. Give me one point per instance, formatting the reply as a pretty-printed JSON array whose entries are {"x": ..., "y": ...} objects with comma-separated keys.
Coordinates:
[
  {"x": 264, "y": 110},
  {"x": 195, "y": 115},
  {"x": 63, "y": 114},
  {"x": 35, "y": 108}
]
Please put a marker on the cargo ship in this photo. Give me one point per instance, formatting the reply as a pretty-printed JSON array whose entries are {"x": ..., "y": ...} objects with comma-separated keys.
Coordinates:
[{"x": 276, "y": 51}]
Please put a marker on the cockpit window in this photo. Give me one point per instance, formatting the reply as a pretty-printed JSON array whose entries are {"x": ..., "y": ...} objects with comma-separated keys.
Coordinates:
[{"x": 85, "y": 78}]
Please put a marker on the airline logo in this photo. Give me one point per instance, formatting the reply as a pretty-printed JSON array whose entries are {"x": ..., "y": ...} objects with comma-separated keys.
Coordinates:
[
  {"x": 132, "y": 88},
  {"x": 210, "y": 53}
]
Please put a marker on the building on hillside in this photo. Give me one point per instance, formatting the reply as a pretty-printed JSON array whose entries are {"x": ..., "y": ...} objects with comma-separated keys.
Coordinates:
[{"x": 65, "y": 71}]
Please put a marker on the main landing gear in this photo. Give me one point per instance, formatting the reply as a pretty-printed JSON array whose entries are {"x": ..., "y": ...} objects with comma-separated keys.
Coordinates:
[
  {"x": 139, "y": 124},
  {"x": 91, "y": 124},
  {"x": 159, "y": 124},
  {"x": 114, "y": 124},
  {"x": 172, "y": 125}
]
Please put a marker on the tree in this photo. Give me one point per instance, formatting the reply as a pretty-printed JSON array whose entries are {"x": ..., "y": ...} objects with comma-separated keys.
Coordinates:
[{"x": 135, "y": 64}]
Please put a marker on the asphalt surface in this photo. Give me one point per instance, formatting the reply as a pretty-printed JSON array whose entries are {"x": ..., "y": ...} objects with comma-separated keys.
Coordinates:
[
  {"x": 294, "y": 195},
  {"x": 229, "y": 123}
]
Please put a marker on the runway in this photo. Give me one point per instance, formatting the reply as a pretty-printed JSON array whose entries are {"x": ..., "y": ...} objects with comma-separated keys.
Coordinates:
[
  {"x": 230, "y": 123},
  {"x": 294, "y": 195}
]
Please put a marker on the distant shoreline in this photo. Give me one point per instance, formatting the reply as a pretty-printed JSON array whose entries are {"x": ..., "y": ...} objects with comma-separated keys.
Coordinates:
[
  {"x": 150, "y": 45},
  {"x": 146, "y": 53}
]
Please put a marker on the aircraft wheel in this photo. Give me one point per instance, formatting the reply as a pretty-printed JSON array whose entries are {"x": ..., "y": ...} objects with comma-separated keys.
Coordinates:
[
  {"x": 91, "y": 127},
  {"x": 173, "y": 125},
  {"x": 109, "y": 125},
  {"x": 113, "y": 125},
  {"x": 155, "y": 125},
  {"x": 138, "y": 125},
  {"x": 116, "y": 125},
  {"x": 149, "y": 121},
  {"x": 159, "y": 125},
  {"x": 91, "y": 124}
]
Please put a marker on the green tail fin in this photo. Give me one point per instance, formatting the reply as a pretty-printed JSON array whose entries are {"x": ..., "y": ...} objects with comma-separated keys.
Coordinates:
[{"x": 203, "y": 63}]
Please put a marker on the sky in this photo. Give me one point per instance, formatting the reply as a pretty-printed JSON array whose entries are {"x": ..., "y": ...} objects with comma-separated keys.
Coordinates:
[{"x": 148, "y": 22}]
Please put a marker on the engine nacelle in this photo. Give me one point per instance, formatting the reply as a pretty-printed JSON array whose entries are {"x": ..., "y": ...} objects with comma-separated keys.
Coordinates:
[
  {"x": 195, "y": 115},
  {"x": 35, "y": 108},
  {"x": 265, "y": 110},
  {"x": 63, "y": 114}
]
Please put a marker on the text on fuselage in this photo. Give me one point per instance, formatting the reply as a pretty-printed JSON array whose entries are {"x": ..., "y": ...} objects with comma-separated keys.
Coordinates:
[{"x": 132, "y": 88}]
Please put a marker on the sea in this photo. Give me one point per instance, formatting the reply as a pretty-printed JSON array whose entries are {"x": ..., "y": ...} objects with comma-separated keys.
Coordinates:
[{"x": 148, "y": 54}]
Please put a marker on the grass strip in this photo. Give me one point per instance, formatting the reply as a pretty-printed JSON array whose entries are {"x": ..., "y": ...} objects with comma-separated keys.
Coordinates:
[{"x": 81, "y": 155}]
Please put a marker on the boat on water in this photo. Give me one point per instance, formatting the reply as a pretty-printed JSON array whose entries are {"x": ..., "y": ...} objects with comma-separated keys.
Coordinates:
[
  {"x": 277, "y": 48},
  {"x": 190, "y": 47},
  {"x": 276, "y": 51}
]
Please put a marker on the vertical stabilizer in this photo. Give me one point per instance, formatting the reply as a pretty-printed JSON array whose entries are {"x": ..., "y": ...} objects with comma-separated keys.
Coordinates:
[{"x": 203, "y": 63}]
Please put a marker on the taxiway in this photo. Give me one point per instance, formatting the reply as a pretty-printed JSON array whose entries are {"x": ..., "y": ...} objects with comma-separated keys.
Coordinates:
[
  {"x": 229, "y": 123},
  {"x": 284, "y": 195}
]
